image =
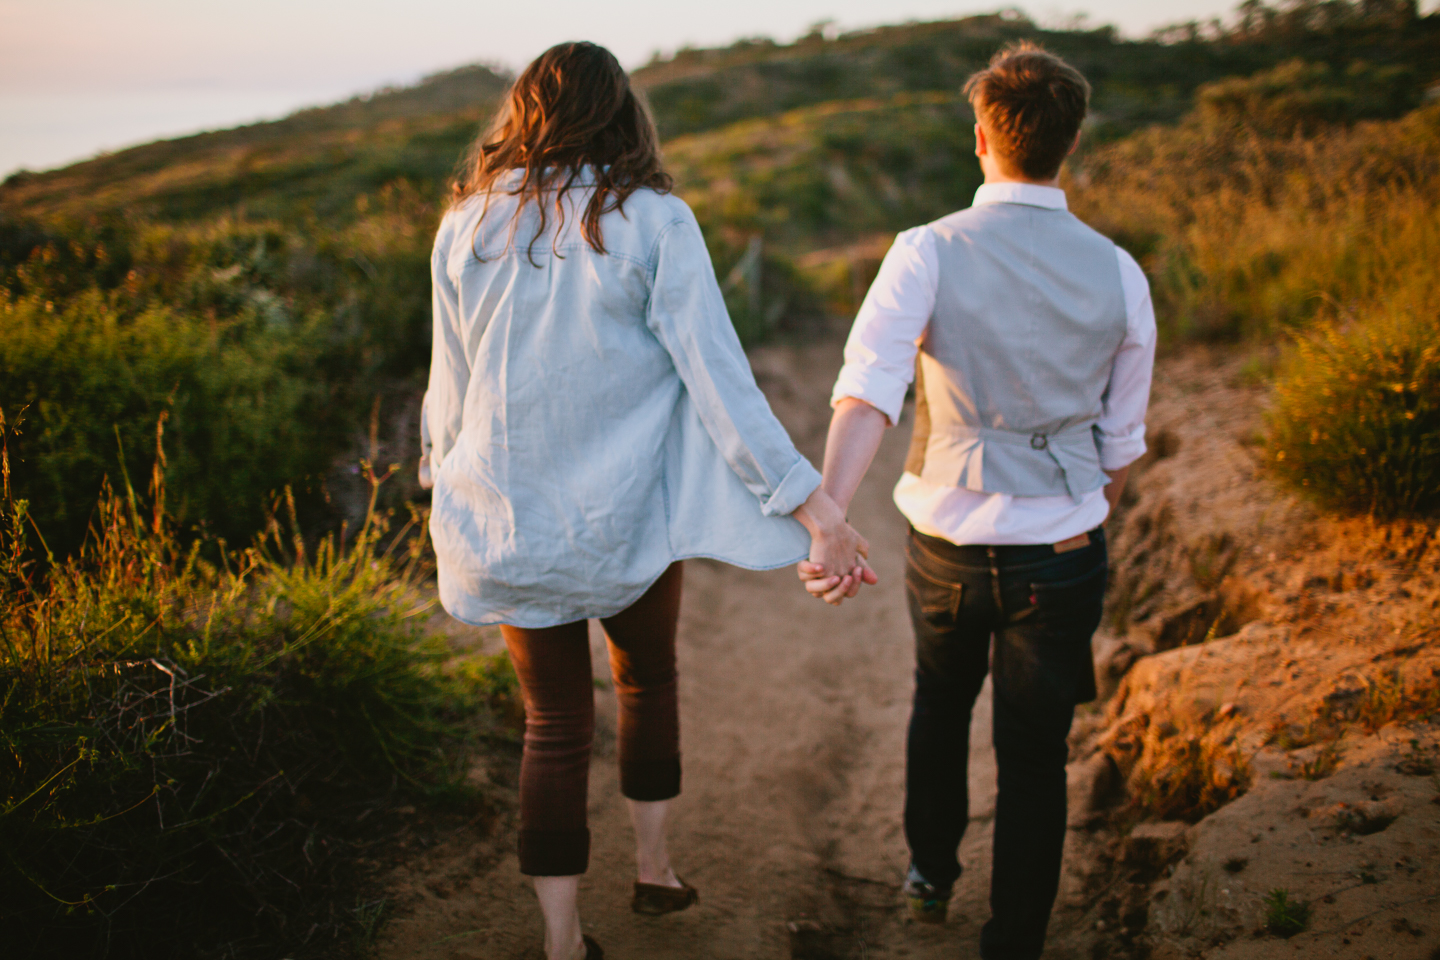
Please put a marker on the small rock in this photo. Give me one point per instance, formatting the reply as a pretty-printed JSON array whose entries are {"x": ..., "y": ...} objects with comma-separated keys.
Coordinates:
[
  {"x": 1228, "y": 710},
  {"x": 1154, "y": 845},
  {"x": 1088, "y": 783},
  {"x": 1371, "y": 816}
]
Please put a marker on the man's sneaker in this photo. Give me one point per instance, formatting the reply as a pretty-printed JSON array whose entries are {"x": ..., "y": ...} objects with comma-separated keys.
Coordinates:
[{"x": 926, "y": 901}]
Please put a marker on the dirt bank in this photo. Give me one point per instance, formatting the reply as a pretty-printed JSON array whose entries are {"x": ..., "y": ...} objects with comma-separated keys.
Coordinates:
[{"x": 793, "y": 718}]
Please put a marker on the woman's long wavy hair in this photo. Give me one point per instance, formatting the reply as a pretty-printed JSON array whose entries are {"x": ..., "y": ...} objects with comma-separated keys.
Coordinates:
[{"x": 570, "y": 110}]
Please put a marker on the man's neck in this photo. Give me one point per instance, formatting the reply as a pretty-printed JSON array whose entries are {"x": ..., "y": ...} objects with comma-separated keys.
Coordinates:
[{"x": 998, "y": 178}]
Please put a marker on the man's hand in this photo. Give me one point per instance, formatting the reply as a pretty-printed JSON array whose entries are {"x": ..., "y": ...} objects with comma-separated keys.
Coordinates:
[
  {"x": 832, "y": 589},
  {"x": 855, "y": 432},
  {"x": 837, "y": 566}
]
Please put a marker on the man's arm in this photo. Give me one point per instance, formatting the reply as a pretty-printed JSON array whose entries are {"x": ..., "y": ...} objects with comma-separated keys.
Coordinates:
[
  {"x": 856, "y": 429},
  {"x": 1122, "y": 422},
  {"x": 870, "y": 390},
  {"x": 1116, "y": 486}
]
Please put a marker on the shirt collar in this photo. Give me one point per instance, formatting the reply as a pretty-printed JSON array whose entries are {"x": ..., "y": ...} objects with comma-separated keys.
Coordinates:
[
  {"x": 1030, "y": 194},
  {"x": 584, "y": 176}
]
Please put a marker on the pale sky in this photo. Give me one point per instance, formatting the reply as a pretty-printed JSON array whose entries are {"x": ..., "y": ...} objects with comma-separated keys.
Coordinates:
[{"x": 81, "y": 76}]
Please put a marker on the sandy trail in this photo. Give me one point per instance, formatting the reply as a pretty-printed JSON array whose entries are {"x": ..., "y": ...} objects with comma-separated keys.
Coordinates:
[
  {"x": 794, "y": 713},
  {"x": 793, "y": 721}
]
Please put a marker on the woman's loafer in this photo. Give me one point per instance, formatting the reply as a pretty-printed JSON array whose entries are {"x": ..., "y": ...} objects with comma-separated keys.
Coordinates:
[{"x": 654, "y": 899}]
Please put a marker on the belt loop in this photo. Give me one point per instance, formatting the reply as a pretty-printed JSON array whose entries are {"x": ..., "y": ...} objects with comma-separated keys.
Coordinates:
[{"x": 992, "y": 553}]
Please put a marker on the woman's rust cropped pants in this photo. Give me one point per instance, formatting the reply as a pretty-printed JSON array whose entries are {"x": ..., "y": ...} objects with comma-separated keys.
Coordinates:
[{"x": 553, "y": 665}]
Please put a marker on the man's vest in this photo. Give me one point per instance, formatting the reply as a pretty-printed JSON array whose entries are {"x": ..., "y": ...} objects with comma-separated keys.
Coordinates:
[{"x": 1013, "y": 369}]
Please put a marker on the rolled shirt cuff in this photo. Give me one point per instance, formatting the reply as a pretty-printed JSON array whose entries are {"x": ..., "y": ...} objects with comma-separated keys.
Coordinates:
[
  {"x": 883, "y": 391},
  {"x": 1116, "y": 453},
  {"x": 794, "y": 490}
]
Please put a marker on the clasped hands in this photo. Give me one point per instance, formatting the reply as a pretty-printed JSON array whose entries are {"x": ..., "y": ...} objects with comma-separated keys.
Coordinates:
[{"x": 837, "y": 565}]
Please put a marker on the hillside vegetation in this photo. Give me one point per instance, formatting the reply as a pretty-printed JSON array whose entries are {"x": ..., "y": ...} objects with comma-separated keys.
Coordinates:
[
  {"x": 268, "y": 284},
  {"x": 263, "y": 295}
]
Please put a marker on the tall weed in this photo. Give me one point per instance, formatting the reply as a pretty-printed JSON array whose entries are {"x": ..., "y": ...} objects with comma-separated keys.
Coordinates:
[
  {"x": 188, "y": 749},
  {"x": 1356, "y": 419}
]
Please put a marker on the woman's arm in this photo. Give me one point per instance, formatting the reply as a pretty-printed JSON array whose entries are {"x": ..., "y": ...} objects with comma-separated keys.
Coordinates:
[{"x": 687, "y": 315}]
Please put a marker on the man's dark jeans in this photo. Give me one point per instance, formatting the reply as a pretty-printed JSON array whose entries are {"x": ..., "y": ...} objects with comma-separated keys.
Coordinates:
[{"x": 1041, "y": 607}]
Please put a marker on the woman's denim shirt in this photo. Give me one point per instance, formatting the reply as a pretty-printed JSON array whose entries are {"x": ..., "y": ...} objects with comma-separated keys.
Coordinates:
[{"x": 591, "y": 417}]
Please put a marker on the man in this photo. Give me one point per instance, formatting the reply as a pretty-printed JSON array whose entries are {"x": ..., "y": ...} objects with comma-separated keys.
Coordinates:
[{"x": 1036, "y": 338}]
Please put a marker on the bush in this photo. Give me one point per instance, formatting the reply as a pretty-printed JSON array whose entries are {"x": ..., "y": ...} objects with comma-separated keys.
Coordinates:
[
  {"x": 189, "y": 750},
  {"x": 1300, "y": 97},
  {"x": 1356, "y": 421},
  {"x": 1187, "y": 775},
  {"x": 241, "y": 399},
  {"x": 1247, "y": 234},
  {"x": 1285, "y": 917},
  {"x": 265, "y": 345}
]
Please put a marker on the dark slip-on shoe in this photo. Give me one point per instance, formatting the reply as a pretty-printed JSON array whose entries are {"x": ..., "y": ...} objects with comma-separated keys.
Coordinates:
[
  {"x": 654, "y": 899},
  {"x": 592, "y": 949}
]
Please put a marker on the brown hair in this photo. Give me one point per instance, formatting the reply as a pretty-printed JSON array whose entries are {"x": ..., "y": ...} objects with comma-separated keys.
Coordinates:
[
  {"x": 571, "y": 109},
  {"x": 1031, "y": 104}
]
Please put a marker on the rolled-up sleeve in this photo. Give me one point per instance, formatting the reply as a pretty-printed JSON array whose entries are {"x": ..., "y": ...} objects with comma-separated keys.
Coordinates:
[
  {"x": 1122, "y": 421},
  {"x": 444, "y": 402},
  {"x": 687, "y": 314},
  {"x": 880, "y": 351}
]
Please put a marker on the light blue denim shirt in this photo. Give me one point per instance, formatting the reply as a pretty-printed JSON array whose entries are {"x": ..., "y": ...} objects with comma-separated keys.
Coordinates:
[{"x": 592, "y": 419}]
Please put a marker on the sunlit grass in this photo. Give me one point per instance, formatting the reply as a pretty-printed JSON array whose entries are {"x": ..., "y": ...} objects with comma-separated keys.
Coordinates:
[{"x": 189, "y": 748}]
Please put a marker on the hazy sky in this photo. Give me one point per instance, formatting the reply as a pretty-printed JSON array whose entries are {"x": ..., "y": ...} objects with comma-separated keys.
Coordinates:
[{"x": 79, "y": 76}]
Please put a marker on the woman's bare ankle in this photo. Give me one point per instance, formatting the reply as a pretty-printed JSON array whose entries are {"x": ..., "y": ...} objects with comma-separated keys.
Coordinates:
[
  {"x": 658, "y": 877},
  {"x": 576, "y": 952}
]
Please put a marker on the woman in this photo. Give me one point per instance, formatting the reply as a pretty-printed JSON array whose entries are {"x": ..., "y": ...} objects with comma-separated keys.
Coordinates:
[{"x": 592, "y": 422}]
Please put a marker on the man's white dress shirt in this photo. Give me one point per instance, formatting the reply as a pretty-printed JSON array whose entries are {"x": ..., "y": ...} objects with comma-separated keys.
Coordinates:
[{"x": 880, "y": 365}]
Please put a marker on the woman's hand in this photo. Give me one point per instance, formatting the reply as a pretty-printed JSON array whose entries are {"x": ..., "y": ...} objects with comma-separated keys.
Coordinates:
[{"x": 837, "y": 566}]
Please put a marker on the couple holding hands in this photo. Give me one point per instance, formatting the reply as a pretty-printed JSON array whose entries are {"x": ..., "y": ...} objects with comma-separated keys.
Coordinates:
[{"x": 591, "y": 421}]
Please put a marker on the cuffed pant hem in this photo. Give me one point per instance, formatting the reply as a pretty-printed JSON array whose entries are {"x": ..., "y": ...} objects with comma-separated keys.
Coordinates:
[
  {"x": 650, "y": 780},
  {"x": 554, "y": 853}
]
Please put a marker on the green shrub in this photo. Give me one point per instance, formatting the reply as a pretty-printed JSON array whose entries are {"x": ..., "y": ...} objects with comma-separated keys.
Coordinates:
[
  {"x": 1356, "y": 420},
  {"x": 265, "y": 345},
  {"x": 189, "y": 751},
  {"x": 1300, "y": 97},
  {"x": 241, "y": 399}
]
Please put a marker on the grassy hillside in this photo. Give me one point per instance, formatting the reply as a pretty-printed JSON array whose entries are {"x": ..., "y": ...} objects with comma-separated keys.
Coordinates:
[{"x": 267, "y": 285}]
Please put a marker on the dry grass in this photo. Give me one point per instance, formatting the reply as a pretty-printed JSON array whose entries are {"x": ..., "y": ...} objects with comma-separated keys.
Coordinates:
[
  {"x": 1246, "y": 233},
  {"x": 1181, "y": 775}
]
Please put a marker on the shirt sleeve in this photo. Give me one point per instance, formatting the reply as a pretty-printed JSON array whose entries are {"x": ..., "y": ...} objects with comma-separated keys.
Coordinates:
[
  {"x": 880, "y": 351},
  {"x": 449, "y": 366},
  {"x": 687, "y": 314},
  {"x": 1122, "y": 420}
]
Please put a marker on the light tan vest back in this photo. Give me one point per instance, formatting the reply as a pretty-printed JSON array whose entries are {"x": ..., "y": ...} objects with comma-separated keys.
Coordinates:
[{"x": 1013, "y": 369}]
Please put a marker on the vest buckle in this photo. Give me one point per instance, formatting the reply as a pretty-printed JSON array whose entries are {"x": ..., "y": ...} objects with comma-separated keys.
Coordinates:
[{"x": 1039, "y": 441}]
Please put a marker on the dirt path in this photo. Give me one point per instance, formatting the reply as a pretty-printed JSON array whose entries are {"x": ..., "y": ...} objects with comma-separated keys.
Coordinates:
[
  {"x": 1252, "y": 621},
  {"x": 793, "y": 725}
]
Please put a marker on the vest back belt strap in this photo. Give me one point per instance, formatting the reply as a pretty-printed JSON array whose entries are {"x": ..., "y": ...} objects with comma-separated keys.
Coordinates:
[{"x": 1039, "y": 442}]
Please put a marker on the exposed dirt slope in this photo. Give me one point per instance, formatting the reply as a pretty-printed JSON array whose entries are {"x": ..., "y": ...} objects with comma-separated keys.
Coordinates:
[
  {"x": 1259, "y": 647},
  {"x": 1236, "y": 612}
]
